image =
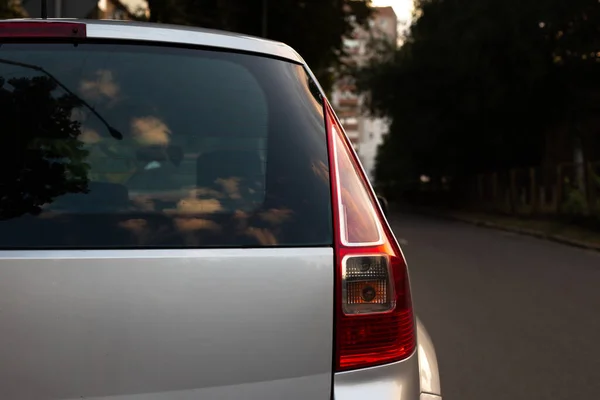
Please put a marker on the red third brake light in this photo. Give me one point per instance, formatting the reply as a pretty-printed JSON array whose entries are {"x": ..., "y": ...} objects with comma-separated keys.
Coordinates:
[
  {"x": 39, "y": 29},
  {"x": 374, "y": 317}
]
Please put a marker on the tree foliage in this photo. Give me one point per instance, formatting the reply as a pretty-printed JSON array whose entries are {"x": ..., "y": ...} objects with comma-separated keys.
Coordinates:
[
  {"x": 479, "y": 85},
  {"x": 314, "y": 28},
  {"x": 10, "y": 9},
  {"x": 42, "y": 157}
]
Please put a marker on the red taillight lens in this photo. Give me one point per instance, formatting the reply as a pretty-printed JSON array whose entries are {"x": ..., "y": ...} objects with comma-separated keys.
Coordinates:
[
  {"x": 374, "y": 318},
  {"x": 42, "y": 29}
]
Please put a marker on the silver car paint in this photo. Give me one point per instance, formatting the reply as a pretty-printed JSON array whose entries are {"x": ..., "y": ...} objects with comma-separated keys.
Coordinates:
[
  {"x": 428, "y": 365},
  {"x": 188, "y": 35},
  {"x": 398, "y": 381},
  {"x": 204, "y": 323},
  {"x": 294, "y": 388},
  {"x": 429, "y": 396},
  {"x": 402, "y": 380}
]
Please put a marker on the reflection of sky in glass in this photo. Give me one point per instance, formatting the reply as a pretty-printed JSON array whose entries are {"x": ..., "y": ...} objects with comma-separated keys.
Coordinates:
[
  {"x": 192, "y": 163},
  {"x": 100, "y": 88}
]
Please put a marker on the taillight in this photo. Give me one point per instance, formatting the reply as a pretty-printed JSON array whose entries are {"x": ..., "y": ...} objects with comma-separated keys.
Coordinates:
[
  {"x": 374, "y": 318},
  {"x": 42, "y": 29}
]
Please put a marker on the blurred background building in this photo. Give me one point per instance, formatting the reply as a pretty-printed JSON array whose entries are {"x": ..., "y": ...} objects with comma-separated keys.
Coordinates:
[{"x": 365, "y": 132}]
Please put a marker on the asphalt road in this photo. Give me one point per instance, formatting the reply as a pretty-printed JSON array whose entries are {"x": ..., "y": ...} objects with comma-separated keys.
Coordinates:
[{"x": 512, "y": 317}]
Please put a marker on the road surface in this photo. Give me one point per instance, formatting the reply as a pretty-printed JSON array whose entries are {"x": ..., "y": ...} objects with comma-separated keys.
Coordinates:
[{"x": 512, "y": 317}]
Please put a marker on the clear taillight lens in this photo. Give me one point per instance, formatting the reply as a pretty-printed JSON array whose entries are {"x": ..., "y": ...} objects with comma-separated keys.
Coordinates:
[{"x": 367, "y": 287}]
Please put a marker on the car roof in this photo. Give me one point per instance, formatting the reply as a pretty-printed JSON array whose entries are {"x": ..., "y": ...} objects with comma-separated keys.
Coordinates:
[{"x": 175, "y": 34}]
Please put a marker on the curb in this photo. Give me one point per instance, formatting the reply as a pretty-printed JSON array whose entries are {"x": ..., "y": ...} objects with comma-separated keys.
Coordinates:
[{"x": 520, "y": 231}]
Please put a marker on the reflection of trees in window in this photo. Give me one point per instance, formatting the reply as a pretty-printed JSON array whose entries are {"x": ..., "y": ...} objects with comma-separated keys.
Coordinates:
[{"x": 41, "y": 156}]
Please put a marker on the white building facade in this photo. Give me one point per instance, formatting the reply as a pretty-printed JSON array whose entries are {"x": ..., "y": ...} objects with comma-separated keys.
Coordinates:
[
  {"x": 365, "y": 133},
  {"x": 372, "y": 133}
]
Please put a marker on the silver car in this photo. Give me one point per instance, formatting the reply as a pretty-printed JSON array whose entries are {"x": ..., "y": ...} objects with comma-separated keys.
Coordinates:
[{"x": 182, "y": 217}]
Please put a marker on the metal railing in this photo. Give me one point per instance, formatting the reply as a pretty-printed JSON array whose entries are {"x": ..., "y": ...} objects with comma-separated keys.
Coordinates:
[{"x": 566, "y": 188}]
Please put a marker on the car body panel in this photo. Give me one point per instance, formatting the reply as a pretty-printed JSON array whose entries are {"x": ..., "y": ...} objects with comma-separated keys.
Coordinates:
[
  {"x": 297, "y": 388},
  {"x": 107, "y": 323}
]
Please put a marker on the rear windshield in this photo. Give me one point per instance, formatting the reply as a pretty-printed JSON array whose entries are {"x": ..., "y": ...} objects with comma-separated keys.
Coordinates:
[{"x": 141, "y": 146}]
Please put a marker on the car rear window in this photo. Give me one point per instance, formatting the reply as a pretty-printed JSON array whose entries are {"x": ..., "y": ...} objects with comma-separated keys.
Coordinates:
[{"x": 121, "y": 145}]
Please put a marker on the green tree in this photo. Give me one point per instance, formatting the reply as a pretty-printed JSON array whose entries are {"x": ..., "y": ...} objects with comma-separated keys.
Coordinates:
[
  {"x": 11, "y": 9},
  {"x": 41, "y": 156},
  {"x": 479, "y": 83}
]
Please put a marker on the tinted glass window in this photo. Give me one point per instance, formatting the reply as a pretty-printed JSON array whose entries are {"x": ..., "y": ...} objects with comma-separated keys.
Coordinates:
[{"x": 129, "y": 146}]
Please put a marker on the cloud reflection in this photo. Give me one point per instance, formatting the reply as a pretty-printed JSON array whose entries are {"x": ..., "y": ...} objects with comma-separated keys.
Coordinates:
[
  {"x": 196, "y": 224},
  {"x": 89, "y": 136},
  {"x": 231, "y": 186},
  {"x": 102, "y": 88},
  {"x": 198, "y": 206},
  {"x": 150, "y": 131},
  {"x": 321, "y": 170},
  {"x": 276, "y": 216},
  {"x": 264, "y": 236}
]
